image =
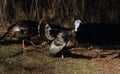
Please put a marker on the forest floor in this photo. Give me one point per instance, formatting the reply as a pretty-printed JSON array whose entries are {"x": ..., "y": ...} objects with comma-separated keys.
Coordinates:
[
  {"x": 79, "y": 60},
  {"x": 16, "y": 60}
]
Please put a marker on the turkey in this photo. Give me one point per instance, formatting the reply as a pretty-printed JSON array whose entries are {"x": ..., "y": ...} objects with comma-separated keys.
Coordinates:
[
  {"x": 25, "y": 30},
  {"x": 64, "y": 39},
  {"x": 51, "y": 31}
]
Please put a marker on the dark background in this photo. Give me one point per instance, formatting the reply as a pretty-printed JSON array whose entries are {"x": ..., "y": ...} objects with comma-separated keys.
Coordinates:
[
  {"x": 100, "y": 17},
  {"x": 60, "y": 11}
]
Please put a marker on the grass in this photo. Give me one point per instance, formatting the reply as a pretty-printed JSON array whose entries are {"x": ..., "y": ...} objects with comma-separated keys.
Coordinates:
[
  {"x": 76, "y": 66},
  {"x": 7, "y": 51},
  {"x": 38, "y": 61}
]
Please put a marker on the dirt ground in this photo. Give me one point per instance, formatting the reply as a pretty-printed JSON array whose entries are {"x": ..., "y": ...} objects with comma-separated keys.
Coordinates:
[
  {"x": 102, "y": 59},
  {"x": 107, "y": 57},
  {"x": 106, "y": 60}
]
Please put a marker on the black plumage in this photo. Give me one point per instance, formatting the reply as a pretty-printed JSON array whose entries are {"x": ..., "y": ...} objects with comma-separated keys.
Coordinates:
[
  {"x": 26, "y": 29},
  {"x": 63, "y": 39},
  {"x": 51, "y": 31}
]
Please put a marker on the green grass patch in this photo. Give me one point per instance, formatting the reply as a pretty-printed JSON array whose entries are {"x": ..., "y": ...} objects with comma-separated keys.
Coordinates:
[
  {"x": 7, "y": 51},
  {"x": 39, "y": 62}
]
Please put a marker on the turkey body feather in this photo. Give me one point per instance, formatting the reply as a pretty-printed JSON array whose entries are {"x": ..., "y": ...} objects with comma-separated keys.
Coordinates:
[
  {"x": 51, "y": 31},
  {"x": 63, "y": 39},
  {"x": 26, "y": 28}
]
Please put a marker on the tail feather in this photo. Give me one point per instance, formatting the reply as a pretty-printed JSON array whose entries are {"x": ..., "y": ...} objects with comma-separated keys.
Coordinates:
[
  {"x": 51, "y": 31},
  {"x": 39, "y": 26},
  {"x": 47, "y": 32}
]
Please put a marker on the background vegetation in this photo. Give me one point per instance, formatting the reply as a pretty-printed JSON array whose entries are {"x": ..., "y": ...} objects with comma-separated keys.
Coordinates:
[
  {"x": 60, "y": 11},
  {"x": 15, "y": 60}
]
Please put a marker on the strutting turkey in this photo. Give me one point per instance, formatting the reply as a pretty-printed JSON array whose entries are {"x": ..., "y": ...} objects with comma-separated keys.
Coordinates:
[
  {"x": 51, "y": 31},
  {"x": 63, "y": 39},
  {"x": 26, "y": 29}
]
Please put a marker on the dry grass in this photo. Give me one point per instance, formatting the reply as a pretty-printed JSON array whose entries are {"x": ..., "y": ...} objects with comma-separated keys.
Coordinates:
[
  {"x": 13, "y": 60},
  {"x": 38, "y": 61}
]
